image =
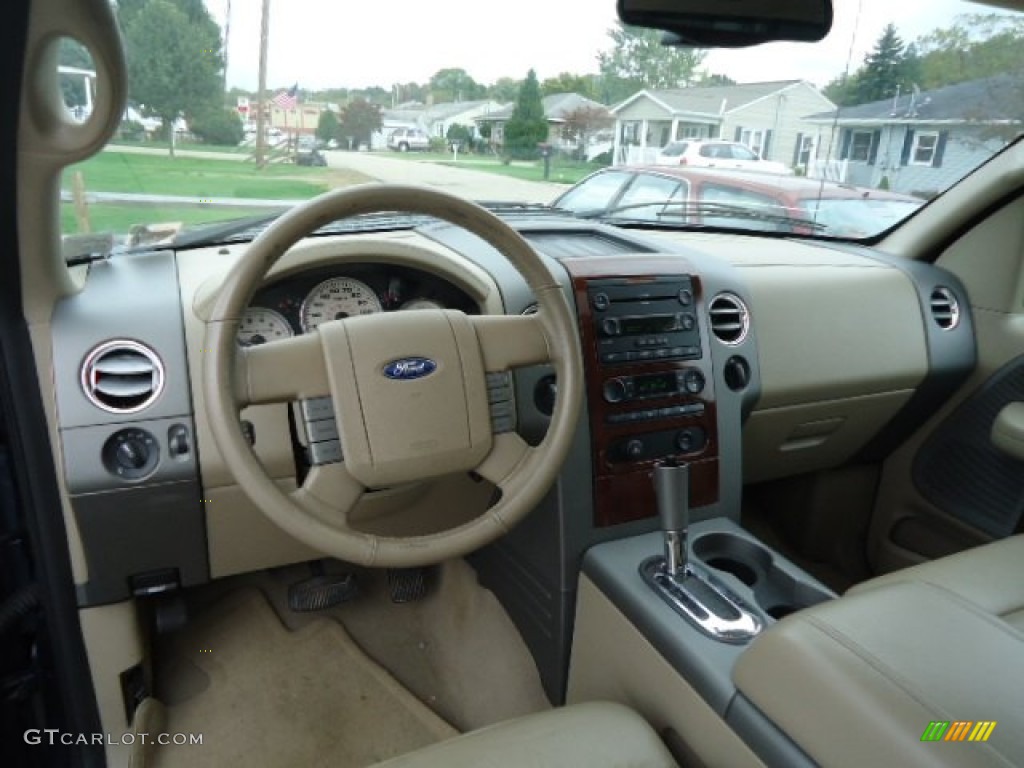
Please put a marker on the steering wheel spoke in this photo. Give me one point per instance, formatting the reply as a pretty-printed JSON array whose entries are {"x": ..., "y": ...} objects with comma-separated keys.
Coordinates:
[
  {"x": 281, "y": 371},
  {"x": 511, "y": 341},
  {"x": 508, "y": 454},
  {"x": 329, "y": 492}
]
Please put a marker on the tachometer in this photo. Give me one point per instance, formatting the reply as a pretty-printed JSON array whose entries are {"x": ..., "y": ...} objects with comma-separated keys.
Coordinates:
[
  {"x": 421, "y": 304},
  {"x": 260, "y": 325},
  {"x": 335, "y": 299}
]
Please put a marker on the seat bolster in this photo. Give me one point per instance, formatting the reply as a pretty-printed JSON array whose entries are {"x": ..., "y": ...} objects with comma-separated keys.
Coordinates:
[
  {"x": 856, "y": 681},
  {"x": 991, "y": 576},
  {"x": 587, "y": 735}
]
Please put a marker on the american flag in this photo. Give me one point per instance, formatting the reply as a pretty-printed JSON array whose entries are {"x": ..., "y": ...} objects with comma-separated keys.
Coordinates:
[{"x": 287, "y": 99}]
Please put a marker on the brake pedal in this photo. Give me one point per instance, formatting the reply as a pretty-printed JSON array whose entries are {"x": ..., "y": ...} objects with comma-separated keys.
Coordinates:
[
  {"x": 407, "y": 585},
  {"x": 322, "y": 590}
]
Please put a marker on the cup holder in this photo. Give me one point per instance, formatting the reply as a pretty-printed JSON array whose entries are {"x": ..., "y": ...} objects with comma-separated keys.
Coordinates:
[{"x": 776, "y": 590}]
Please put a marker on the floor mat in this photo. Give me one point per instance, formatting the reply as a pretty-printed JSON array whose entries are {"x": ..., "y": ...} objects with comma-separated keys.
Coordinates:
[{"x": 264, "y": 696}]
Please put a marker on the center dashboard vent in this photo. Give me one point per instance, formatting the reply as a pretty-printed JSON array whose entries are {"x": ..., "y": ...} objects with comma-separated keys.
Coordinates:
[
  {"x": 122, "y": 376},
  {"x": 945, "y": 308},
  {"x": 729, "y": 318}
]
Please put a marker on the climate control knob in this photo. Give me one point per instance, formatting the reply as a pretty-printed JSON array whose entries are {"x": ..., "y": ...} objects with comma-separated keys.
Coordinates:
[{"x": 635, "y": 449}]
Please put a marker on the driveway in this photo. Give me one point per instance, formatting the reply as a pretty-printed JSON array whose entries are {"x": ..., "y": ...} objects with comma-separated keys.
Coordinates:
[{"x": 475, "y": 185}]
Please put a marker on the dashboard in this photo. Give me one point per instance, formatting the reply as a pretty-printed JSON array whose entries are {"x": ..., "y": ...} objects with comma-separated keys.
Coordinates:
[{"x": 748, "y": 357}]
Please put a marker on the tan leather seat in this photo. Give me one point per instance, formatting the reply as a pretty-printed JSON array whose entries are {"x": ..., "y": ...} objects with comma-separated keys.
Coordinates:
[
  {"x": 588, "y": 735},
  {"x": 856, "y": 681}
]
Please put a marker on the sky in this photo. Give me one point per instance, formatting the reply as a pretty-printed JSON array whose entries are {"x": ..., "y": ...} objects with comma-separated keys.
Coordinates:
[{"x": 359, "y": 43}]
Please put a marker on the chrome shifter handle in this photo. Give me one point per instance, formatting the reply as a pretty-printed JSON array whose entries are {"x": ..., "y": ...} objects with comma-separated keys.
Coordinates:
[{"x": 672, "y": 490}]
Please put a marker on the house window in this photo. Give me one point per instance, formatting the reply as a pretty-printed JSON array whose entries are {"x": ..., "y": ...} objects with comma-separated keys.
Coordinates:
[
  {"x": 753, "y": 139},
  {"x": 860, "y": 146},
  {"x": 923, "y": 150},
  {"x": 690, "y": 131},
  {"x": 806, "y": 150}
]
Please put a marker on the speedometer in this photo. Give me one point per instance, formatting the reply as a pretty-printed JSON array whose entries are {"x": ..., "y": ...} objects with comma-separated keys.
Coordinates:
[
  {"x": 260, "y": 325},
  {"x": 335, "y": 299}
]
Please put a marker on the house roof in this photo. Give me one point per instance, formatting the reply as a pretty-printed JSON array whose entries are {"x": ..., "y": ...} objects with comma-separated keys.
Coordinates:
[
  {"x": 556, "y": 107},
  {"x": 988, "y": 100},
  {"x": 709, "y": 99},
  {"x": 451, "y": 108}
]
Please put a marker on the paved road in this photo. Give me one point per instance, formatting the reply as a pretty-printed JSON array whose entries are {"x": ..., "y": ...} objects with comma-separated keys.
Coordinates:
[{"x": 476, "y": 185}]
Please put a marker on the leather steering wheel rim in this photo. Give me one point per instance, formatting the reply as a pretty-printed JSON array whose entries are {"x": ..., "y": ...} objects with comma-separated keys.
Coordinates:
[{"x": 316, "y": 514}]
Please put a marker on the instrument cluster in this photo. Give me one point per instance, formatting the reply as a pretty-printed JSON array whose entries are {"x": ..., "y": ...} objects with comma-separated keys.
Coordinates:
[{"x": 298, "y": 303}]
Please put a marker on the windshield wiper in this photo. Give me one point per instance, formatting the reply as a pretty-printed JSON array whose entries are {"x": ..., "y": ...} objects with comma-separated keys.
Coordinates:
[{"x": 681, "y": 210}]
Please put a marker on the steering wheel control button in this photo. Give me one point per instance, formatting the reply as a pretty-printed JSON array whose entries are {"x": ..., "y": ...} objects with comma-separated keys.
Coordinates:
[
  {"x": 600, "y": 301},
  {"x": 327, "y": 452},
  {"x": 319, "y": 431},
  {"x": 318, "y": 408},
  {"x": 131, "y": 454}
]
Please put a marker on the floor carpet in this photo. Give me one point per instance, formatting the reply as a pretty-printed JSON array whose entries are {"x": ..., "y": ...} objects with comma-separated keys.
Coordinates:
[{"x": 262, "y": 695}]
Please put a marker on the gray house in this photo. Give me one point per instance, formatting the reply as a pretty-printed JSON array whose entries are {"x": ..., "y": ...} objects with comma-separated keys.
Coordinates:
[
  {"x": 924, "y": 141},
  {"x": 767, "y": 117},
  {"x": 557, "y": 106}
]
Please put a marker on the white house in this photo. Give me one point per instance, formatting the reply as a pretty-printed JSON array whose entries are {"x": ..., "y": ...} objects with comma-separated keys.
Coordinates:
[
  {"x": 438, "y": 118},
  {"x": 767, "y": 117}
]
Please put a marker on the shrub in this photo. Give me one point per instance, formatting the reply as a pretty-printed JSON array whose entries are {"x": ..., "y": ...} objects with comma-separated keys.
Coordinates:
[
  {"x": 133, "y": 130},
  {"x": 218, "y": 126}
]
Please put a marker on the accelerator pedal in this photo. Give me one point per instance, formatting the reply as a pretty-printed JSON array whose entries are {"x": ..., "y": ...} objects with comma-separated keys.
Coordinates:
[
  {"x": 407, "y": 585},
  {"x": 322, "y": 590}
]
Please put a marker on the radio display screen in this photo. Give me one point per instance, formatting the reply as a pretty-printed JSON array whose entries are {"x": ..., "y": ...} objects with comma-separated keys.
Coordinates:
[
  {"x": 639, "y": 325},
  {"x": 652, "y": 386}
]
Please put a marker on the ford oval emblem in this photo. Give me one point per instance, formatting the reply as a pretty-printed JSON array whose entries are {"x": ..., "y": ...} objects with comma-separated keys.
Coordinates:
[{"x": 409, "y": 368}]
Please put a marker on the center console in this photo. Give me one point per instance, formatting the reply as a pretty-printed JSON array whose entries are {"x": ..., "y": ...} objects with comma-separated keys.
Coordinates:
[{"x": 650, "y": 387}]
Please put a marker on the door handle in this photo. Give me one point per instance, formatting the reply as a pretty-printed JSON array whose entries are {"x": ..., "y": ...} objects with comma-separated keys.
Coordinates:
[{"x": 1008, "y": 431}]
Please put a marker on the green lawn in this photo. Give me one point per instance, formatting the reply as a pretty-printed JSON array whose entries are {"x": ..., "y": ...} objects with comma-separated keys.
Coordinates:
[
  {"x": 196, "y": 177},
  {"x": 107, "y": 217}
]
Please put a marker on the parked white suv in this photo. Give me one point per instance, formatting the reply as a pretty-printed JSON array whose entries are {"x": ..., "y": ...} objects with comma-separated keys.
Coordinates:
[
  {"x": 406, "y": 139},
  {"x": 717, "y": 154}
]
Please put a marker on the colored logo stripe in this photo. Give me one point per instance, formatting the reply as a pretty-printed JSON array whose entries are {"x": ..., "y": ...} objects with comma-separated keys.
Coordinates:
[
  {"x": 958, "y": 730},
  {"x": 983, "y": 730}
]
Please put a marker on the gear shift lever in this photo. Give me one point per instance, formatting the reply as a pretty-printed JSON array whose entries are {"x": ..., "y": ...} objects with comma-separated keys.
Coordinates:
[{"x": 672, "y": 489}]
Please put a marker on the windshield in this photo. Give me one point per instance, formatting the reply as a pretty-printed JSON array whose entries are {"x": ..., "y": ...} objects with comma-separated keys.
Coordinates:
[{"x": 233, "y": 114}]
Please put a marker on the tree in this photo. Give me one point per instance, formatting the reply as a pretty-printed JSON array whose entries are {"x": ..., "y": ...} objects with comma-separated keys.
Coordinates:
[
  {"x": 843, "y": 90},
  {"x": 461, "y": 135},
  {"x": 715, "y": 79},
  {"x": 327, "y": 126},
  {"x": 527, "y": 127},
  {"x": 974, "y": 47},
  {"x": 638, "y": 60},
  {"x": 566, "y": 82},
  {"x": 583, "y": 122},
  {"x": 888, "y": 68},
  {"x": 454, "y": 84},
  {"x": 359, "y": 119},
  {"x": 504, "y": 89},
  {"x": 174, "y": 58},
  {"x": 218, "y": 125}
]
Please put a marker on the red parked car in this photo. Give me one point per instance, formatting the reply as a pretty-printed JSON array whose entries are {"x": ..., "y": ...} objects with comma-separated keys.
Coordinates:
[{"x": 735, "y": 199}]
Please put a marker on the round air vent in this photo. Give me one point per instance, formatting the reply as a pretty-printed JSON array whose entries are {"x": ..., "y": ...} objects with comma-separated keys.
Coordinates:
[
  {"x": 122, "y": 376},
  {"x": 945, "y": 308},
  {"x": 729, "y": 318}
]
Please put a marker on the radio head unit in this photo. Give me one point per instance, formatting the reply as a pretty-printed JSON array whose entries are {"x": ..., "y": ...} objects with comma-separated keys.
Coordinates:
[{"x": 644, "y": 321}]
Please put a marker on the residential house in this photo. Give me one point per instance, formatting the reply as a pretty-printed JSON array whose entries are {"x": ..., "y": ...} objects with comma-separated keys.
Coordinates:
[
  {"x": 767, "y": 117},
  {"x": 438, "y": 118},
  {"x": 924, "y": 141},
  {"x": 557, "y": 107}
]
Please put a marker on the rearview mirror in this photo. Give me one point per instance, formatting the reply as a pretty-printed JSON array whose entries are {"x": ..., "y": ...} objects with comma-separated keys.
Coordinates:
[{"x": 730, "y": 23}]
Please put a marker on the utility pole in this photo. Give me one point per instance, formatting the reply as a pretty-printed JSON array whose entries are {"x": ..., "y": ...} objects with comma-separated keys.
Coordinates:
[
  {"x": 261, "y": 136},
  {"x": 227, "y": 39}
]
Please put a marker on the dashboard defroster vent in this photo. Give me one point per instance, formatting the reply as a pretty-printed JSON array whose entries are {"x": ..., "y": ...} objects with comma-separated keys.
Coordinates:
[
  {"x": 122, "y": 376},
  {"x": 729, "y": 318},
  {"x": 945, "y": 308}
]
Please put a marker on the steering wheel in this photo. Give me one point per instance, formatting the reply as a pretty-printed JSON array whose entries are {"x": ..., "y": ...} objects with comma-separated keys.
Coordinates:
[{"x": 409, "y": 389}]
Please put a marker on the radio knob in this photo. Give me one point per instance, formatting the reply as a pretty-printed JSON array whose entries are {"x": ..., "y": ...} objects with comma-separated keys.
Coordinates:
[
  {"x": 615, "y": 390},
  {"x": 611, "y": 326},
  {"x": 601, "y": 301},
  {"x": 687, "y": 321},
  {"x": 693, "y": 381},
  {"x": 635, "y": 449},
  {"x": 685, "y": 297}
]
